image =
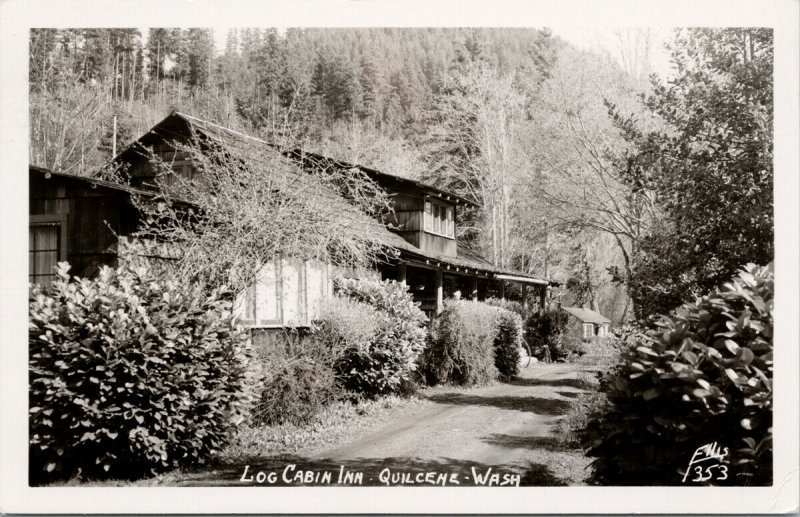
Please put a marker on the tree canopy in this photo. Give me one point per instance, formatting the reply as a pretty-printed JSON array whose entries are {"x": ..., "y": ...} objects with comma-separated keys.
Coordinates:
[{"x": 710, "y": 166}]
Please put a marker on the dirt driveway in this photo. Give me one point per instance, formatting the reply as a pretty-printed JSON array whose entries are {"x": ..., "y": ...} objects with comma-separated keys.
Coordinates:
[{"x": 491, "y": 435}]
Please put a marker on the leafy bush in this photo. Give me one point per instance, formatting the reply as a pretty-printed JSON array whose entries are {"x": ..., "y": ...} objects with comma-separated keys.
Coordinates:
[
  {"x": 704, "y": 375},
  {"x": 461, "y": 344},
  {"x": 130, "y": 373},
  {"x": 505, "y": 303},
  {"x": 381, "y": 331},
  {"x": 507, "y": 343},
  {"x": 294, "y": 392},
  {"x": 344, "y": 323},
  {"x": 545, "y": 334},
  {"x": 290, "y": 378}
]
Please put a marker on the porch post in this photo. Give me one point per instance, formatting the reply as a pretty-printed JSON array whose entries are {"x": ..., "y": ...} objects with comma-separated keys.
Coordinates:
[
  {"x": 502, "y": 290},
  {"x": 473, "y": 287},
  {"x": 401, "y": 272},
  {"x": 542, "y": 297},
  {"x": 525, "y": 297},
  {"x": 439, "y": 291}
]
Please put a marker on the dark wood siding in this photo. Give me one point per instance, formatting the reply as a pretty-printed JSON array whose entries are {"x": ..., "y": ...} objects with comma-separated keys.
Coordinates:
[
  {"x": 431, "y": 243},
  {"x": 408, "y": 220},
  {"x": 93, "y": 218},
  {"x": 407, "y": 217},
  {"x": 143, "y": 174}
]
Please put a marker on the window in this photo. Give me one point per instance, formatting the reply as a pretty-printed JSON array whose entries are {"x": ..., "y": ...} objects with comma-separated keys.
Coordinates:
[
  {"x": 439, "y": 219},
  {"x": 286, "y": 293},
  {"x": 588, "y": 330},
  {"x": 45, "y": 248}
]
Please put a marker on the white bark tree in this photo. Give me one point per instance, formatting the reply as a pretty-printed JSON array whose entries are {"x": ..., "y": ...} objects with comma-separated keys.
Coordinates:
[{"x": 480, "y": 123}]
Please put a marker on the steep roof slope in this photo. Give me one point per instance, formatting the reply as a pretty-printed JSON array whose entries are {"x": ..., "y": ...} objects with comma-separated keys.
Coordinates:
[
  {"x": 177, "y": 124},
  {"x": 587, "y": 315}
]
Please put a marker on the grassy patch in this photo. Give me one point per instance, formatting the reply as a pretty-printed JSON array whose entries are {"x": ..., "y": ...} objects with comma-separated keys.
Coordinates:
[
  {"x": 334, "y": 424},
  {"x": 565, "y": 466},
  {"x": 577, "y": 417}
]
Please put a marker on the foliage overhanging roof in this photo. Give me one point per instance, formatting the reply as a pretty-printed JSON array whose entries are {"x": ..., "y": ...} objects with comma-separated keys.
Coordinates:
[{"x": 466, "y": 259}]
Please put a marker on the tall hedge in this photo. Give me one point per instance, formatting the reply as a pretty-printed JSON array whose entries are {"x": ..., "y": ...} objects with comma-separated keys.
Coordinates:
[
  {"x": 130, "y": 373},
  {"x": 545, "y": 333},
  {"x": 507, "y": 344},
  {"x": 461, "y": 344},
  {"x": 472, "y": 343},
  {"x": 704, "y": 375},
  {"x": 383, "y": 339}
]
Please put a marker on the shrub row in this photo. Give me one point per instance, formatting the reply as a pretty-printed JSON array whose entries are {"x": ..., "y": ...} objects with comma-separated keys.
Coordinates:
[
  {"x": 544, "y": 332},
  {"x": 703, "y": 375},
  {"x": 381, "y": 360}
]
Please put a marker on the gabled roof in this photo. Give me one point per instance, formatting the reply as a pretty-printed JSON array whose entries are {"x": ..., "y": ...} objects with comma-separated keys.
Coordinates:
[
  {"x": 90, "y": 180},
  {"x": 173, "y": 124},
  {"x": 176, "y": 124},
  {"x": 587, "y": 315}
]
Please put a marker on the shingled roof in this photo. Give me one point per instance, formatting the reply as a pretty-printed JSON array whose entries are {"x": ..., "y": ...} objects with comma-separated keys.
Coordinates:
[
  {"x": 174, "y": 126},
  {"x": 170, "y": 126},
  {"x": 587, "y": 315}
]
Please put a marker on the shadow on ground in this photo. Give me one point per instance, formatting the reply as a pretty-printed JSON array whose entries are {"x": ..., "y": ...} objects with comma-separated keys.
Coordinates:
[
  {"x": 524, "y": 442},
  {"x": 542, "y": 406},
  {"x": 402, "y": 472},
  {"x": 579, "y": 384}
]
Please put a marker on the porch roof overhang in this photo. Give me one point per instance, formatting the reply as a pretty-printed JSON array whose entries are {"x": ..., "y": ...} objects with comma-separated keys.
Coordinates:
[
  {"x": 466, "y": 262},
  {"x": 522, "y": 279}
]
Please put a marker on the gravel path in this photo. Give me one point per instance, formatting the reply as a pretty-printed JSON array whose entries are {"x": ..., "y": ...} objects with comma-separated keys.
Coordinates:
[{"x": 501, "y": 434}]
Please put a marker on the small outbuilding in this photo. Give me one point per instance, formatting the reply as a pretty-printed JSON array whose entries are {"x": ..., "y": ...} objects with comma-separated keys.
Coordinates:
[{"x": 587, "y": 325}]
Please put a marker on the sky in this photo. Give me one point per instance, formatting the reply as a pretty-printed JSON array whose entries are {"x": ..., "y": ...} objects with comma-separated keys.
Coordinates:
[{"x": 619, "y": 41}]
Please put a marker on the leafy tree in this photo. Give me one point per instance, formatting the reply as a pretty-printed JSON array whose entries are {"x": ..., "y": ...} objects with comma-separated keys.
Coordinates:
[
  {"x": 577, "y": 164},
  {"x": 710, "y": 166}
]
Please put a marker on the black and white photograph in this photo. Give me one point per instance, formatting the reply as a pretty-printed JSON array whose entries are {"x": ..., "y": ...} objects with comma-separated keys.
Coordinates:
[{"x": 472, "y": 259}]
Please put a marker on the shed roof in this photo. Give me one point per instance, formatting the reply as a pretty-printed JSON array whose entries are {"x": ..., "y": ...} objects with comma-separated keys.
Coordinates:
[{"x": 587, "y": 315}]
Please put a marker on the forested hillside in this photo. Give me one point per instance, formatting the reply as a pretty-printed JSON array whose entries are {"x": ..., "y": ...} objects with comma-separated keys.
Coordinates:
[{"x": 516, "y": 119}]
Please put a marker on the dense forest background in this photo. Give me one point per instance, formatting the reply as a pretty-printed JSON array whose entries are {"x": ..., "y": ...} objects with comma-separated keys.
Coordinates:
[{"x": 572, "y": 154}]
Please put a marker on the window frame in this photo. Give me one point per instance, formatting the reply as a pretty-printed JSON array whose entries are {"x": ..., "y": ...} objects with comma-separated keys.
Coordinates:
[
  {"x": 246, "y": 301},
  {"x": 61, "y": 221},
  {"x": 437, "y": 213}
]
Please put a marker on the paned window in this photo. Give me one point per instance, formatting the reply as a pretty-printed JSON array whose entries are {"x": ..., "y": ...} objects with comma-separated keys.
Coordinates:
[
  {"x": 439, "y": 218},
  {"x": 286, "y": 293},
  {"x": 44, "y": 251}
]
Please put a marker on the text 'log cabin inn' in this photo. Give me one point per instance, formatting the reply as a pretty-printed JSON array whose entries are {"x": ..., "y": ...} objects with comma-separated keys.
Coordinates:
[{"x": 79, "y": 219}]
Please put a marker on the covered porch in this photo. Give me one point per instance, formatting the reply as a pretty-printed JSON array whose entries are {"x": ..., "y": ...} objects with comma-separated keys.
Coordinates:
[{"x": 432, "y": 281}]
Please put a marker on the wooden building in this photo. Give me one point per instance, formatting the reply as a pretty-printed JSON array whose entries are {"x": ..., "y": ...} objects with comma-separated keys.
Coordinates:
[
  {"x": 425, "y": 252},
  {"x": 76, "y": 219},
  {"x": 586, "y": 325}
]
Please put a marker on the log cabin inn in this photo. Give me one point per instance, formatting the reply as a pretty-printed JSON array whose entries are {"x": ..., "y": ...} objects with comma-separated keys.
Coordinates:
[{"x": 79, "y": 219}]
